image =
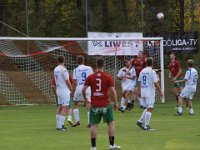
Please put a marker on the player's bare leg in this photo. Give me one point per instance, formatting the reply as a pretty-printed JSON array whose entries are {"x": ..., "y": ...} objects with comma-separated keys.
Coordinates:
[
  {"x": 111, "y": 134},
  {"x": 180, "y": 104},
  {"x": 124, "y": 103},
  {"x": 191, "y": 110},
  {"x": 93, "y": 135},
  {"x": 76, "y": 114},
  {"x": 88, "y": 113},
  {"x": 139, "y": 99},
  {"x": 129, "y": 103}
]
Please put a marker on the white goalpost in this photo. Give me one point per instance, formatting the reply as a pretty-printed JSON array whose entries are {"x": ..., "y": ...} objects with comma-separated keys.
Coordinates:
[{"x": 27, "y": 63}]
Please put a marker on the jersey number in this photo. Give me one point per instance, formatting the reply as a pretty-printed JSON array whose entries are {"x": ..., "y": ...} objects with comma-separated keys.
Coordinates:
[
  {"x": 98, "y": 89},
  {"x": 83, "y": 76},
  {"x": 144, "y": 80},
  {"x": 195, "y": 79}
]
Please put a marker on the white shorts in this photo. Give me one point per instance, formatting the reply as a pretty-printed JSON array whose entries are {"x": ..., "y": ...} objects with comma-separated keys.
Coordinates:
[
  {"x": 78, "y": 95},
  {"x": 148, "y": 102},
  {"x": 63, "y": 97},
  {"x": 128, "y": 87},
  {"x": 188, "y": 92}
]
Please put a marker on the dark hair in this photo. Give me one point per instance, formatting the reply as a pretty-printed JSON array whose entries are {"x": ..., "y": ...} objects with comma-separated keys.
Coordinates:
[
  {"x": 100, "y": 63},
  {"x": 80, "y": 59},
  {"x": 173, "y": 53},
  {"x": 125, "y": 61},
  {"x": 61, "y": 59},
  {"x": 149, "y": 61},
  {"x": 190, "y": 62}
]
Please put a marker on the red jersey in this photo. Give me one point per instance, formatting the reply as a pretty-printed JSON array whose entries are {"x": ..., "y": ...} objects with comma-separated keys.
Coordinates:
[
  {"x": 99, "y": 82},
  {"x": 174, "y": 67},
  {"x": 139, "y": 64},
  {"x": 53, "y": 82}
]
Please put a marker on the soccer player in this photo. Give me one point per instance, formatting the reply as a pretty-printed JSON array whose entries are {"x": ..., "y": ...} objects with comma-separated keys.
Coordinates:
[
  {"x": 63, "y": 91},
  {"x": 147, "y": 84},
  {"x": 79, "y": 76},
  {"x": 69, "y": 113},
  {"x": 189, "y": 90},
  {"x": 175, "y": 73},
  {"x": 127, "y": 82},
  {"x": 102, "y": 85},
  {"x": 139, "y": 64}
]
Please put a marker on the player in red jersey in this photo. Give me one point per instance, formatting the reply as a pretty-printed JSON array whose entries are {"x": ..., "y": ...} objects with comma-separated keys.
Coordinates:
[
  {"x": 175, "y": 74},
  {"x": 139, "y": 64},
  {"x": 102, "y": 85},
  {"x": 69, "y": 113}
]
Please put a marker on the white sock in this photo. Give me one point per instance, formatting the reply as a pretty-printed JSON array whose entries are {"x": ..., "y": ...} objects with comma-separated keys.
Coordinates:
[
  {"x": 143, "y": 115},
  {"x": 129, "y": 101},
  {"x": 58, "y": 121},
  {"x": 180, "y": 109},
  {"x": 147, "y": 118},
  {"x": 191, "y": 111},
  {"x": 122, "y": 101},
  {"x": 69, "y": 117},
  {"x": 76, "y": 114},
  {"x": 88, "y": 114},
  {"x": 62, "y": 120},
  {"x": 140, "y": 101}
]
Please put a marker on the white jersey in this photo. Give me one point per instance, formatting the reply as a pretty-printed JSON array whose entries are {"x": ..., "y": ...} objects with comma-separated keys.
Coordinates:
[
  {"x": 147, "y": 79},
  {"x": 61, "y": 75},
  {"x": 191, "y": 76},
  {"x": 127, "y": 84},
  {"x": 81, "y": 73}
]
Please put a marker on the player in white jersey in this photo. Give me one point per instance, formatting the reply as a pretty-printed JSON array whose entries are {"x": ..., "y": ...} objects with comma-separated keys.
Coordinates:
[
  {"x": 127, "y": 78},
  {"x": 63, "y": 91},
  {"x": 147, "y": 85},
  {"x": 189, "y": 90},
  {"x": 79, "y": 76}
]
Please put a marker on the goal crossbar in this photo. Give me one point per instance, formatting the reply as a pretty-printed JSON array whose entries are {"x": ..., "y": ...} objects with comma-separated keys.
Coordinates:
[{"x": 80, "y": 39}]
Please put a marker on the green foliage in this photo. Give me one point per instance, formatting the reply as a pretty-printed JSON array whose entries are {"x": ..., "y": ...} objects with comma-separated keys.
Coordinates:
[{"x": 68, "y": 17}]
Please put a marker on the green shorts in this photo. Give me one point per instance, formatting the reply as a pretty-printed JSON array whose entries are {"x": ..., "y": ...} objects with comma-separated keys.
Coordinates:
[
  {"x": 179, "y": 84},
  {"x": 136, "y": 83},
  {"x": 97, "y": 113}
]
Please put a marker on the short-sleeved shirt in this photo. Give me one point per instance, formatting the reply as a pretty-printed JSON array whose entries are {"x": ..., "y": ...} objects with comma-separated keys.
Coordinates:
[
  {"x": 81, "y": 73},
  {"x": 191, "y": 76},
  {"x": 174, "y": 67},
  {"x": 61, "y": 75},
  {"x": 99, "y": 82},
  {"x": 53, "y": 82},
  {"x": 139, "y": 64},
  {"x": 147, "y": 78}
]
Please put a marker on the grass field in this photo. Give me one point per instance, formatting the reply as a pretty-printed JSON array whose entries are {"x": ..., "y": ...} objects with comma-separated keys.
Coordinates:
[{"x": 33, "y": 128}]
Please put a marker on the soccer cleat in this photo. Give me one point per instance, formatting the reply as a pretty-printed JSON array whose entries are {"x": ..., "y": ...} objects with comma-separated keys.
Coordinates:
[
  {"x": 191, "y": 114},
  {"x": 148, "y": 128},
  {"x": 70, "y": 122},
  {"x": 113, "y": 147},
  {"x": 64, "y": 127},
  {"x": 93, "y": 148},
  {"x": 178, "y": 114},
  {"x": 61, "y": 129},
  {"x": 76, "y": 124},
  {"x": 140, "y": 124},
  {"x": 130, "y": 106},
  {"x": 121, "y": 109}
]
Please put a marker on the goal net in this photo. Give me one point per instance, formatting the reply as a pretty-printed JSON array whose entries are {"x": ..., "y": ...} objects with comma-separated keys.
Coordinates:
[{"x": 26, "y": 64}]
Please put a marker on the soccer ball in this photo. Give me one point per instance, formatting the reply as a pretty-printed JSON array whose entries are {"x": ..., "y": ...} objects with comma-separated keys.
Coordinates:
[{"x": 160, "y": 15}]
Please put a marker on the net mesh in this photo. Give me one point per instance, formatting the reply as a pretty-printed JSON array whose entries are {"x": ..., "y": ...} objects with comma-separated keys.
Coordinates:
[{"x": 26, "y": 67}]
